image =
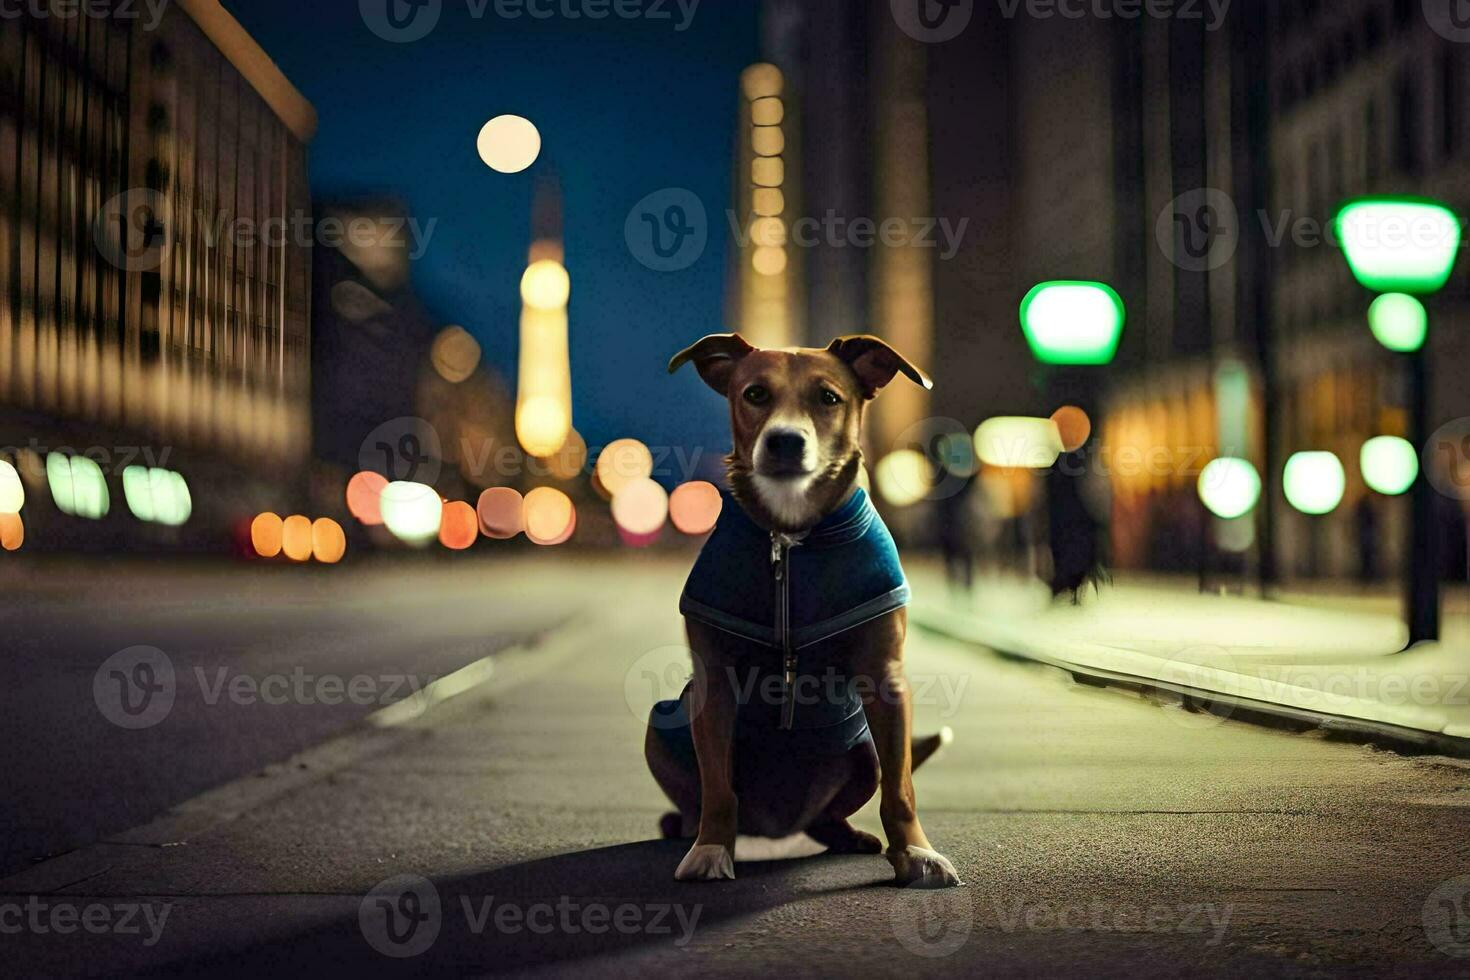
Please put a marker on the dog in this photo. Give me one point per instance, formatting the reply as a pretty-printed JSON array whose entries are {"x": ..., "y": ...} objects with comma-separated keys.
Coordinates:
[{"x": 798, "y": 710}]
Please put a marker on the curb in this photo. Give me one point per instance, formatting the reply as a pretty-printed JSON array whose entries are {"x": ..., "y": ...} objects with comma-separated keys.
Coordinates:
[{"x": 1399, "y": 738}]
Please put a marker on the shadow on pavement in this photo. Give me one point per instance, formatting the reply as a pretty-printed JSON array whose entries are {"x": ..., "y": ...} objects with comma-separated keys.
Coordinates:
[{"x": 550, "y": 911}]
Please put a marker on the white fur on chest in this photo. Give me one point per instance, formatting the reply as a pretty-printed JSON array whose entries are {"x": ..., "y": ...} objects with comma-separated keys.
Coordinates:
[{"x": 787, "y": 499}]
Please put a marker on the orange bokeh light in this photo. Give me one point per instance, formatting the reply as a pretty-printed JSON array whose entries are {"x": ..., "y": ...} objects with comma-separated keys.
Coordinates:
[
  {"x": 640, "y": 507},
  {"x": 550, "y": 517},
  {"x": 1074, "y": 426},
  {"x": 328, "y": 542},
  {"x": 296, "y": 537},
  {"x": 265, "y": 535},
  {"x": 695, "y": 506},
  {"x": 622, "y": 462},
  {"x": 12, "y": 532},
  {"x": 363, "y": 491},
  {"x": 459, "y": 527},
  {"x": 501, "y": 513}
]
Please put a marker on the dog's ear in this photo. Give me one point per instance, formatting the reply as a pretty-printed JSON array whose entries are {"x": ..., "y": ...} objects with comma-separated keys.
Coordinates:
[
  {"x": 714, "y": 358},
  {"x": 875, "y": 363}
]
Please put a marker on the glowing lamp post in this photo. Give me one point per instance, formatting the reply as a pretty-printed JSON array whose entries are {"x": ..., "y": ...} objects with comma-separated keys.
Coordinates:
[
  {"x": 1071, "y": 322},
  {"x": 1229, "y": 487},
  {"x": 1403, "y": 247}
]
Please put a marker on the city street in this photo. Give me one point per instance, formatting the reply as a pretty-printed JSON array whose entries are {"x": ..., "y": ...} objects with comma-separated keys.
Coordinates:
[{"x": 1096, "y": 831}]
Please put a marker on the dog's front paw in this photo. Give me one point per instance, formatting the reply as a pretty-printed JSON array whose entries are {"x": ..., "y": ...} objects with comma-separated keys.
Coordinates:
[
  {"x": 920, "y": 867},
  {"x": 707, "y": 862}
]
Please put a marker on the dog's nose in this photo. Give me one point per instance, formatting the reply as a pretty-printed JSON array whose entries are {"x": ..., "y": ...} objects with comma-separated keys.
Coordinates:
[{"x": 786, "y": 446}]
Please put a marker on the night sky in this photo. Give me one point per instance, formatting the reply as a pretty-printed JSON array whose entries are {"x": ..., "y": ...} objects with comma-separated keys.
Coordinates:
[{"x": 625, "y": 107}]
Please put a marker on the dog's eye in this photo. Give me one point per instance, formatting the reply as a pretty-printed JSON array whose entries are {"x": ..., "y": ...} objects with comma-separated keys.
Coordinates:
[
  {"x": 757, "y": 395},
  {"x": 830, "y": 397}
]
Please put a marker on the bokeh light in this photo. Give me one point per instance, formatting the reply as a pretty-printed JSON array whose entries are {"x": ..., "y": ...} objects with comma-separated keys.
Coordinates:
[
  {"x": 509, "y": 144},
  {"x": 1014, "y": 441},
  {"x": 459, "y": 527},
  {"x": 157, "y": 495},
  {"x": 545, "y": 285},
  {"x": 694, "y": 507},
  {"x": 621, "y": 462},
  {"x": 1229, "y": 487},
  {"x": 501, "y": 513},
  {"x": 1390, "y": 465},
  {"x": 769, "y": 260},
  {"x": 1399, "y": 244},
  {"x": 542, "y": 426},
  {"x": 454, "y": 354},
  {"x": 1314, "y": 482},
  {"x": 1399, "y": 322},
  {"x": 549, "y": 517},
  {"x": 12, "y": 492},
  {"x": 761, "y": 80},
  {"x": 1074, "y": 426},
  {"x": 904, "y": 477},
  {"x": 568, "y": 462},
  {"x": 12, "y": 531},
  {"x": 328, "y": 542},
  {"x": 1069, "y": 322},
  {"x": 640, "y": 507},
  {"x": 296, "y": 537},
  {"x": 77, "y": 486},
  {"x": 411, "y": 512},
  {"x": 266, "y": 532},
  {"x": 364, "y": 493}
]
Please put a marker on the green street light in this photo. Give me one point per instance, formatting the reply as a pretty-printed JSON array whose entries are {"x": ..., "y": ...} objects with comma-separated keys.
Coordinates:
[
  {"x": 1229, "y": 487},
  {"x": 1406, "y": 245},
  {"x": 1399, "y": 322},
  {"x": 1399, "y": 244},
  {"x": 1390, "y": 465},
  {"x": 1314, "y": 482},
  {"x": 1071, "y": 322}
]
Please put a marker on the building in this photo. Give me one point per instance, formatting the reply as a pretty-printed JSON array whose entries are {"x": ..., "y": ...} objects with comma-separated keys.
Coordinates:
[{"x": 155, "y": 264}]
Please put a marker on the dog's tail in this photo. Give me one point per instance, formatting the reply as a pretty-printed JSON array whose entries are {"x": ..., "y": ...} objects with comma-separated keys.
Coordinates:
[{"x": 924, "y": 749}]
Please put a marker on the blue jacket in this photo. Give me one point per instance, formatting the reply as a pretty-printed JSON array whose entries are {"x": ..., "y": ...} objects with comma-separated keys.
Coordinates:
[{"x": 843, "y": 573}]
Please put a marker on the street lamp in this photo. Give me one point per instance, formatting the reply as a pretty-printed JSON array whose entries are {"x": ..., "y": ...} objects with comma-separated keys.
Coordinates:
[
  {"x": 1403, "y": 247},
  {"x": 1071, "y": 322}
]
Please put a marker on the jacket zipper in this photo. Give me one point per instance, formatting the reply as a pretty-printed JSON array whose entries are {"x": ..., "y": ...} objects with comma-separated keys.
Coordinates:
[{"x": 780, "y": 568}]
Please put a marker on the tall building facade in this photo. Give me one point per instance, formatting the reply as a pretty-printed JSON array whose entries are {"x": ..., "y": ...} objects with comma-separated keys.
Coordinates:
[{"x": 155, "y": 254}]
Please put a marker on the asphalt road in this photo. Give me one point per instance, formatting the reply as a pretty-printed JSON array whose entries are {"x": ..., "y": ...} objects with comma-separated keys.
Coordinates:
[
  {"x": 510, "y": 830},
  {"x": 260, "y": 661}
]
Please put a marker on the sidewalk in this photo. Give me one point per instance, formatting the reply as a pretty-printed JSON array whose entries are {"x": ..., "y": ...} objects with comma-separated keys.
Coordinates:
[{"x": 1314, "y": 660}]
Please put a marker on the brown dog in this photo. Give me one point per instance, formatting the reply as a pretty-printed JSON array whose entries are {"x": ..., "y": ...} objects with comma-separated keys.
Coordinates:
[{"x": 810, "y": 762}]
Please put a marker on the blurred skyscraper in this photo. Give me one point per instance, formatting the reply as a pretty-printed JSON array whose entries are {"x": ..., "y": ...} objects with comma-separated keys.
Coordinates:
[{"x": 154, "y": 284}]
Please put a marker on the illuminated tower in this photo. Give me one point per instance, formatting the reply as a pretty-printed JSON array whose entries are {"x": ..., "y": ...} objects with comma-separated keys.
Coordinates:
[
  {"x": 544, "y": 392},
  {"x": 767, "y": 295}
]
